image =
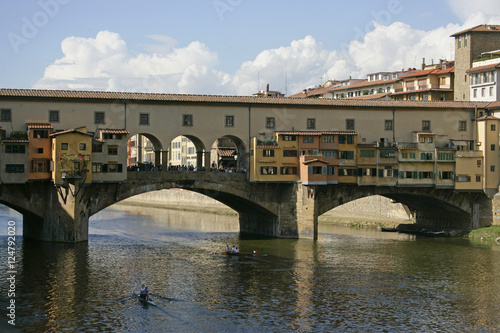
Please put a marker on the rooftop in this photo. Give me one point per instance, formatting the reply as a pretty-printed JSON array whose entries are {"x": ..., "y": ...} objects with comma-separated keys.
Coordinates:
[{"x": 6, "y": 94}]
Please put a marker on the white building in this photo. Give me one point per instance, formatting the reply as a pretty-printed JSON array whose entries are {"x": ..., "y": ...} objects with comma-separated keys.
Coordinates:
[{"x": 483, "y": 77}]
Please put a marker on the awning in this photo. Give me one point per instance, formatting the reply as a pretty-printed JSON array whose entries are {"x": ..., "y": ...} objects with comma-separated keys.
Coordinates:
[{"x": 459, "y": 143}]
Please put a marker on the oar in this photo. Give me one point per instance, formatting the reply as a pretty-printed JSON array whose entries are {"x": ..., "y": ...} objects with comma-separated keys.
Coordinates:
[{"x": 167, "y": 298}]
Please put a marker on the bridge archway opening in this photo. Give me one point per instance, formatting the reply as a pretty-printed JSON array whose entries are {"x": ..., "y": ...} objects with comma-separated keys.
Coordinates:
[
  {"x": 144, "y": 151},
  {"x": 229, "y": 153},
  {"x": 426, "y": 207},
  {"x": 186, "y": 151}
]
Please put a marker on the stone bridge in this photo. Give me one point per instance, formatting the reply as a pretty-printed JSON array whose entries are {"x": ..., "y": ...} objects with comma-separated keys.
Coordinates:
[{"x": 287, "y": 210}]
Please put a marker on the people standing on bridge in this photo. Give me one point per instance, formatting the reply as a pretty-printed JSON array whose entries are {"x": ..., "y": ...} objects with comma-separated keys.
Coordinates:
[
  {"x": 234, "y": 249},
  {"x": 226, "y": 249}
]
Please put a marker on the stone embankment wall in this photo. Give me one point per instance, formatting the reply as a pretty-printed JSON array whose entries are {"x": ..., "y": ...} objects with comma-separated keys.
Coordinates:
[{"x": 374, "y": 207}]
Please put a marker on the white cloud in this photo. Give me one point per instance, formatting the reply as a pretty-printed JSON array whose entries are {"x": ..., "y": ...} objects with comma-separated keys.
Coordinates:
[
  {"x": 105, "y": 63},
  {"x": 487, "y": 10}
]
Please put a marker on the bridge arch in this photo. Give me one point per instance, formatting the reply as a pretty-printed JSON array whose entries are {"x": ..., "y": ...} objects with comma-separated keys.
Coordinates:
[
  {"x": 443, "y": 209},
  {"x": 229, "y": 151},
  {"x": 255, "y": 216}
]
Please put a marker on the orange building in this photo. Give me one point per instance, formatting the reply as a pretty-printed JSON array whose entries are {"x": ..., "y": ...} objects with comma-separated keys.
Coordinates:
[{"x": 39, "y": 151}]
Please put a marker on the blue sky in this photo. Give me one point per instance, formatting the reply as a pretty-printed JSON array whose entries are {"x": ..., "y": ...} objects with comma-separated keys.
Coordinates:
[{"x": 222, "y": 46}]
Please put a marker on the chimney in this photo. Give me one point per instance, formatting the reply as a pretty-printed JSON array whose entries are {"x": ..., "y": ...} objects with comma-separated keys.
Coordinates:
[
  {"x": 423, "y": 63},
  {"x": 267, "y": 88}
]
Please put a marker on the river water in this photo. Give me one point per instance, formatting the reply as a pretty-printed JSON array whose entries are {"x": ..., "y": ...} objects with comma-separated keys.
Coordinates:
[{"x": 347, "y": 281}]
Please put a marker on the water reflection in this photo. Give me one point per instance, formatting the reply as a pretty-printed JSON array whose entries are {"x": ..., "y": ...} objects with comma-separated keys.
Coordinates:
[{"x": 348, "y": 280}]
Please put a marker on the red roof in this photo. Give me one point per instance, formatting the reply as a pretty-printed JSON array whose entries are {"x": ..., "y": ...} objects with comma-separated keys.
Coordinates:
[
  {"x": 315, "y": 160},
  {"x": 114, "y": 131},
  {"x": 226, "y": 152},
  {"x": 40, "y": 125},
  {"x": 485, "y": 67},
  {"x": 15, "y": 141},
  {"x": 479, "y": 28},
  {"x": 7, "y": 94},
  {"x": 70, "y": 131},
  {"x": 309, "y": 133}
]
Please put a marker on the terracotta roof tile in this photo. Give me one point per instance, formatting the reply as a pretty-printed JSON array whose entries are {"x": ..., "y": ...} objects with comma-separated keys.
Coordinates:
[
  {"x": 226, "y": 152},
  {"x": 485, "y": 67},
  {"x": 114, "y": 131},
  {"x": 176, "y": 98},
  {"x": 15, "y": 141},
  {"x": 309, "y": 133},
  {"x": 479, "y": 28},
  {"x": 70, "y": 131},
  {"x": 40, "y": 125}
]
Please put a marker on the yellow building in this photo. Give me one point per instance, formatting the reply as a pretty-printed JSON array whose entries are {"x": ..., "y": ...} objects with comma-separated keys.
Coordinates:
[
  {"x": 71, "y": 153},
  {"x": 488, "y": 141},
  {"x": 40, "y": 153}
]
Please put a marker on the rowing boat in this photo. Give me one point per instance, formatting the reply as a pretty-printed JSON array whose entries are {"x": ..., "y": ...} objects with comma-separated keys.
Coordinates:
[{"x": 144, "y": 301}]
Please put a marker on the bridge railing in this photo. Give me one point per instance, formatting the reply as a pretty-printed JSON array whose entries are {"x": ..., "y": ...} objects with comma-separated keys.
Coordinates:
[{"x": 185, "y": 175}]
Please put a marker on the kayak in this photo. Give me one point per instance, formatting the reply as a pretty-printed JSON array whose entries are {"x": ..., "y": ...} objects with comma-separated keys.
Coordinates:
[{"x": 143, "y": 300}]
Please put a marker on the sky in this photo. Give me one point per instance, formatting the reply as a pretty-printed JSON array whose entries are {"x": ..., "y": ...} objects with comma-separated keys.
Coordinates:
[{"x": 223, "y": 47}]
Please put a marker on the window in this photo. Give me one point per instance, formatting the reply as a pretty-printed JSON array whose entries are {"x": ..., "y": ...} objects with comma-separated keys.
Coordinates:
[
  {"x": 53, "y": 116},
  {"x": 474, "y": 93},
  {"x": 483, "y": 92},
  {"x": 270, "y": 122},
  {"x": 143, "y": 118},
  {"x": 289, "y": 153},
  {"x": 268, "y": 170},
  {"x": 430, "y": 140},
  {"x": 83, "y": 146},
  {"x": 478, "y": 162},
  {"x": 111, "y": 136},
  {"x": 6, "y": 115},
  {"x": 465, "y": 40},
  {"x": 288, "y": 170},
  {"x": 463, "y": 179},
  {"x": 97, "y": 147},
  {"x": 459, "y": 42},
  {"x": 491, "y": 91},
  {"x": 328, "y": 153},
  {"x": 446, "y": 156},
  {"x": 493, "y": 147},
  {"x": 328, "y": 138},
  {"x": 40, "y": 166},
  {"x": 413, "y": 155},
  {"x": 64, "y": 146},
  {"x": 462, "y": 125},
  {"x": 187, "y": 120},
  {"x": 422, "y": 139},
  {"x": 426, "y": 156},
  {"x": 308, "y": 139},
  {"x": 492, "y": 168},
  {"x": 346, "y": 139},
  {"x": 317, "y": 170},
  {"x": 478, "y": 178},
  {"x": 40, "y": 150},
  {"x": 388, "y": 125},
  {"x": 112, "y": 150},
  {"x": 289, "y": 138},
  {"x": 15, "y": 149},
  {"x": 229, "y": 121},
  {"x": 387, "y": 153},
  {"x": 367, "y": 153},
  {"x": 446, "y": 175},
  {"x": 426, "y": 125},
  {"x": 14, "y": 168},
  {"x": 493, "y": 127},
  {"x": 404, "y": 155},
  {"x": 346, "y": 155},
  {"x": 349, "y": 124},
  {"x": 99, "y": 117},
  {"x": 96, "y": 168},
  {"x": 311, "y": 123},
  {"x": 40, "y": 134},
  {"x": 268, "y": 153}
]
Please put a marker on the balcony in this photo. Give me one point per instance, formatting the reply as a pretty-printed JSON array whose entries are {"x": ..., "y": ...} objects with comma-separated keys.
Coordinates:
[{"x": 408, "y": 145}]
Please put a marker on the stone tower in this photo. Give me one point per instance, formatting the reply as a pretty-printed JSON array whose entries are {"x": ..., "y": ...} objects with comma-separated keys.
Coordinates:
[{"x": 469, "y": 44}]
